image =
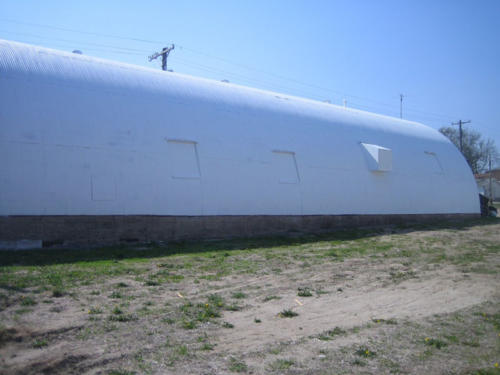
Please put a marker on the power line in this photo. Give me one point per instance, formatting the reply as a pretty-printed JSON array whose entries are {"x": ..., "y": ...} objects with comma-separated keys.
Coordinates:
[
  {"x": 197, "y": 52},
  {"x": 79, "y": 31},
  {"x": 136, "y": 52},
  {"x": 73, "y": 42}
]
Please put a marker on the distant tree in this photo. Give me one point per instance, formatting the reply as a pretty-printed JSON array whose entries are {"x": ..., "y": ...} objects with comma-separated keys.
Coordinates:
[{"x": 476, "y": 150}]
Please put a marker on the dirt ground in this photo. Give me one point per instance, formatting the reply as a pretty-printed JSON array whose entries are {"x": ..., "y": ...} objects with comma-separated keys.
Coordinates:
[{"x": 385, "y": 301}]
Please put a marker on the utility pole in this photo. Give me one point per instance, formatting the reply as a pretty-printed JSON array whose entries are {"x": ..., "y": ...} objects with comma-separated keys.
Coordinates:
[
  {"x": 164, "y": 55},
  {"x": 491, "y": 191},
  {"x": 401, "y": 96},
  {"x": 460, "y": 123}
]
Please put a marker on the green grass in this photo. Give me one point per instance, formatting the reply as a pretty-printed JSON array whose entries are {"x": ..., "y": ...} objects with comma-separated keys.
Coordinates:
[
  {"x": 493, "y": 319},
  {"x": 281, "y": 364},
  {"x": 27, "y": 301},
  {"x": 121, "y": 372},
  {"x": 239, "y": 295},
  {"x": 237, "y": 365},
  {"x": 63, "y": 269},
  {"x": 40, "y": 343},
  {"x": 73, "y": 267},
  {"x": 188, "y": 324},
  {"x": 182, "y": 350}
]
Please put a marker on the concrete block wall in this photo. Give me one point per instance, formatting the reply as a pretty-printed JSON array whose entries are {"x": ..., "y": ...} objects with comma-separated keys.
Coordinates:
[{"x": 46, "y": 231}]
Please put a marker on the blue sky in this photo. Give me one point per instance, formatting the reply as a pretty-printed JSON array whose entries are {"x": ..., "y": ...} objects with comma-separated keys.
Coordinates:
[{"x": 444, "y": 56}]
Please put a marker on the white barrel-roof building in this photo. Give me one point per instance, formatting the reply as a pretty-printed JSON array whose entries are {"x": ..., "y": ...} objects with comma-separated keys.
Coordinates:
[{"x": 86, "y": 141}]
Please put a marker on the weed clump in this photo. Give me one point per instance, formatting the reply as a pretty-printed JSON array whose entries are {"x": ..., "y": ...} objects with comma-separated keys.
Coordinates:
[
  {"x": 438, "y": 344},
  {"x": 330, "y": 334},
  {"x": 237, "y": 365},
  {"x": 288, "y": 313},
  {"x": 27, "y": 301},
  {"x": 233, "y": 307},
  {"x": 364, "y": 352},
  {"x": 304, "y": 292},
  {"x": 282, "y": 364},
  {"x": 385, "y": 321},
  {"x": 239, "y": 295},
  {"x": 270, "y": 298},
  {"x": 119, "y": 316},
  {"x": 116, "y": 295},
  {"x": 207, "y": 346},
  {"x": 121, "y": 372},
  {"x": 203, "y": 312},
  {"x": 40, "y": 343},
  {"x": 57, "y": 293}
]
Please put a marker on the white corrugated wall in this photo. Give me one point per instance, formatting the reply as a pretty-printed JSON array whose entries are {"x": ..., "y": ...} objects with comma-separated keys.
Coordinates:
[{"x": 83, "y": 136}]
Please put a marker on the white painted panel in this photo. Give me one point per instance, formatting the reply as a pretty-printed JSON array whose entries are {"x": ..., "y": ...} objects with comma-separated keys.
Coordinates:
[
  {"x": 185, "y": 197},
  {"x": 66, "y": 184},
  {"x": 184, "y": 187},
  {"x": 285, "y": 167},
  {"x": 22, "y": 169},
  {"x": 183, "y": 159},
  {"x": 103, "y": 188},
  {"x": 433, "y": 163}
]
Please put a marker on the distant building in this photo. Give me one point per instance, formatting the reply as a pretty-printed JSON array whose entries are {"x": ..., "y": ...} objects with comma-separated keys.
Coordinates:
[{"x": 483, "y": 182}]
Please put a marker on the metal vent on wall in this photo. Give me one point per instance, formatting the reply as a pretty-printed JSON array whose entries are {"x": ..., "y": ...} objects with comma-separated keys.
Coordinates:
[{"x": 379, "y": 158}]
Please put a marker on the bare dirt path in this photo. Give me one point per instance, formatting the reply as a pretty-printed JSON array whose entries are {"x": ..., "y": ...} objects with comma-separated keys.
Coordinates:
[{"x": 434, "y": 292}]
